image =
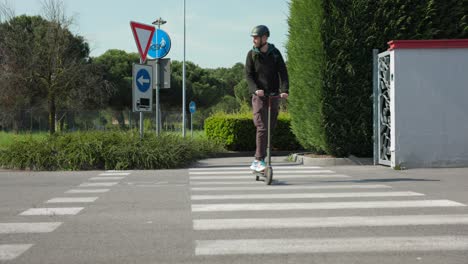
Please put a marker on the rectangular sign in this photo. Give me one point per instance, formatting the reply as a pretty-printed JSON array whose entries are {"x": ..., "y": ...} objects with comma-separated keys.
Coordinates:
[
  {"x": 164, "y": 76},
  {"x": 142, "y": 84}
]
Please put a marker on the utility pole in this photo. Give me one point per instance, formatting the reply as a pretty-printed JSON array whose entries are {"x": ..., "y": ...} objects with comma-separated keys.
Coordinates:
[{"x": 183, "y": 85}]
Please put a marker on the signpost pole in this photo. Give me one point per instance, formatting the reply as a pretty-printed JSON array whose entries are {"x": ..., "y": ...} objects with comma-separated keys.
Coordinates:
[
  {"x": 141, "y": 117},
  {"x": 158, "y": 83},
  {"x": 183, "y": 84},
  {"x": 192, "y": 108}
]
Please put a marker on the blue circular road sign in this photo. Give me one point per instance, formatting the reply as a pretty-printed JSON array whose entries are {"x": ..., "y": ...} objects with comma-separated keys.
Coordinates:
[
  {"x": 160, "y": 45},
  {"x": 192, "y": 107},
  {"x": 143, "y": 80}
]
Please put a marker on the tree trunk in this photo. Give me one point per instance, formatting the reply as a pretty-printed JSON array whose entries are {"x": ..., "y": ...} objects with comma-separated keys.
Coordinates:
[{"x": 52, "y": 110}]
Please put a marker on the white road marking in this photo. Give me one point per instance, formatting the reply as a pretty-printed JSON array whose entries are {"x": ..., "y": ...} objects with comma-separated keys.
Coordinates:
[
  {"x": 114, "y": 174},
  {"x": 248, "y": 169},
  {"x": 244, "y": 172},
  {"x": 303, "y": 195},
  {"x": 98, "y": 184},
  {"x": 106, "y": 178},
  {"x": 325, "y": 222},
  {"x": 9, "y": 252},
  {"x": 292, "y": 187},
  {"x": 278, "y": 177},
  {"x": 73, "y": 200},
  {"x": 19, "y": 228},
  {"x": 87, "y": 191},
  {"x": 320, "y": 206},
  {"x": 360, "y": 244},
  {"x": 53, "y": 211},
  {"x": 251, "y": 182}
]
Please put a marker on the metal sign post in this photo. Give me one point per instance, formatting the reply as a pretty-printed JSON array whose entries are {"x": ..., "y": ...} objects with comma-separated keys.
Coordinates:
[
  {"x": 192, "y": 108},
  {"x": 160, "y": 47}
]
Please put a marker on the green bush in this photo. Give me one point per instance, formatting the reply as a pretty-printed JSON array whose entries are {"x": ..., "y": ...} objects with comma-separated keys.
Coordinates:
[
  {"x": 105, "y": 150},
  {"x": 237, "y": 132}
]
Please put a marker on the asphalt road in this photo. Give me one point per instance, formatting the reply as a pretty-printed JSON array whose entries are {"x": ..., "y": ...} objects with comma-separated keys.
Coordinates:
[{"x": 217, "y": 213}]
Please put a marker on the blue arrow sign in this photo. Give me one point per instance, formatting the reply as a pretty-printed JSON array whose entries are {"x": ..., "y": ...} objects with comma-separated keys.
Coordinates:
[
  {"x": 160, "y": 45},
  {"x": 192, "y": 107},
  {"x": 143, "y": 80}
]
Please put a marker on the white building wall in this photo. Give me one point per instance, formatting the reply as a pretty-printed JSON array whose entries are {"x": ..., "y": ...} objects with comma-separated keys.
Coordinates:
[{"x": 430, "y": 111}]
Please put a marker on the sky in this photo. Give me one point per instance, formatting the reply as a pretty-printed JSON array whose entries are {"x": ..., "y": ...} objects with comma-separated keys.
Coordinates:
[{"x": 217, "y": 31}]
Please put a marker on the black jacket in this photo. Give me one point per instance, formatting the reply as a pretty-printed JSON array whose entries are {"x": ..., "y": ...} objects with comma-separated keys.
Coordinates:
[{"x": 266, "y": 71}]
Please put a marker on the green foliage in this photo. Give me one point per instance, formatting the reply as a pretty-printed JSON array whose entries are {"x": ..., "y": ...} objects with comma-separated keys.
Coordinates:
[
  {"x": 44, "y": 65},
  {"x": 305, "y": 66},
  {"x": 242, "y": 93},
  {"x": 117, "y": 65},
  {"x": 237, "y": 132},
  {"x": 105, "y": 150},
  {"x": 330, "y": 62}
]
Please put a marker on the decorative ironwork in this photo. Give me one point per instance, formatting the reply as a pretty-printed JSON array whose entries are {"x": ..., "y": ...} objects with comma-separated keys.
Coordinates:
[{"x": 384, "y": 108}]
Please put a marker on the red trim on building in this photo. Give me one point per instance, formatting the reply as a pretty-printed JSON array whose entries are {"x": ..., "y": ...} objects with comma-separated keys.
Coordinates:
[{"x": 428, "y": 44}]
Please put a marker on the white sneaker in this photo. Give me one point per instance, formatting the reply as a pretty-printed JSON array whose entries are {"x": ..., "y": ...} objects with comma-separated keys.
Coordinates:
[
  {"x": 260, "y": 166},
  {"x": 254, "y": 165}
]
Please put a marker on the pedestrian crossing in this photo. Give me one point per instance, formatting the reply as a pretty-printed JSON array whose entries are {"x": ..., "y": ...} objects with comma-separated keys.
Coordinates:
[
  {"x": 74, "y": 196},
  {"x": 228, "y": 206}
]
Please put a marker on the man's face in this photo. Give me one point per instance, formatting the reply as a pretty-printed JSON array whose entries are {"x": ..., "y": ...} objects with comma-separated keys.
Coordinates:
[{"x": 259, "y": 41}]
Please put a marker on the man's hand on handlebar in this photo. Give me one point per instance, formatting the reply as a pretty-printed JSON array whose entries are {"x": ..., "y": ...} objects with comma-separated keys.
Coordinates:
[{"x": 261, "y": 93}]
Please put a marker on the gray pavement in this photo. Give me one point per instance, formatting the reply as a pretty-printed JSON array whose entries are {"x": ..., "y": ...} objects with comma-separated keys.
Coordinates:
[{"x": 216, "y": 213}]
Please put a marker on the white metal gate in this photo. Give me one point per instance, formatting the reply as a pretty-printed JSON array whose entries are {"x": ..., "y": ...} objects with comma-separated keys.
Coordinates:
[{"x": 384, "y": 113}]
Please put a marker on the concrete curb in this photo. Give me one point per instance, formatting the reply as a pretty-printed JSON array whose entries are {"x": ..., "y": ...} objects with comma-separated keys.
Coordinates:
[{"x": 351, "y": 160}]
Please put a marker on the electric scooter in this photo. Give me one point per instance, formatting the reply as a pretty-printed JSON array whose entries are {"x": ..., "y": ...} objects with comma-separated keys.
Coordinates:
[{"x": 267, "y": 174}]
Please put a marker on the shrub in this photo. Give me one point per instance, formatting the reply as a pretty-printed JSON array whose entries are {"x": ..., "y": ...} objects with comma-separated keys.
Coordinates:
[
  {"x": 237, "y": 132},
  {"x": 105, "y": 150}
]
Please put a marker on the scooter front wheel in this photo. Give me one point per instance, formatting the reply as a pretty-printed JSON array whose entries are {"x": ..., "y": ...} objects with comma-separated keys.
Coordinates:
[{"x": 268, "y": 175}]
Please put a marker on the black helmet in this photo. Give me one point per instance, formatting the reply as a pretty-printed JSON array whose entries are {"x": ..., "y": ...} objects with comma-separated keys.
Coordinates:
[{"x": 260, "y": 30}]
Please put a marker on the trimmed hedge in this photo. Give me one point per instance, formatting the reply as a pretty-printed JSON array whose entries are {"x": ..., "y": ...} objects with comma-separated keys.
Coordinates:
[
  {"x": 105, "y": 150},
  {"x": 330, "y": 62},
  {"x": 237, "y": 132}
]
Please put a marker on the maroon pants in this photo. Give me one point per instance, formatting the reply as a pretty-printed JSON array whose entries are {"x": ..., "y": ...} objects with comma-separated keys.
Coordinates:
[{"x": 260, "y": 119}]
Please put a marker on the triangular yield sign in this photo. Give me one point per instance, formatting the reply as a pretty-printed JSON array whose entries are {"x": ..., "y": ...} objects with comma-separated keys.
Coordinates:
[{"x": 143, "y": 35}]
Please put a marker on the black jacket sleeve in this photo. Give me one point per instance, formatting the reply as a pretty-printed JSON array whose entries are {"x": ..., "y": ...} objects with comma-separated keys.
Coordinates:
[
  {"x": 250, "y": 74},
  {"x": 283, "y": 74}
]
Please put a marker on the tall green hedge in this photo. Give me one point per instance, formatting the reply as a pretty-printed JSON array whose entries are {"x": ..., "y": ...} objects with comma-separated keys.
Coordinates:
[
  {"x": 330, "y": 62},
  {"x": 237, "y": 132}
]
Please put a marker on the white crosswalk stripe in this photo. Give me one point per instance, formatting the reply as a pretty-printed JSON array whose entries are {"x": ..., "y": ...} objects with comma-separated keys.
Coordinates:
[
  {"x": 321, "y": 222},
  {"x": 290, "y": 187},
  {"x": 19, "y": 228},
  {"x": 53, "y": 211},
  {"x": 73, "y": 200},
  {"x": 98, "y": 184},
  {"x": 12, "y": 251},
  {"x": 362, "y": 244},
  {"x": 279, "y": 177},
  {"x": 321, "y": 206},
  {"x": 87, "y": 191},
  {"x": 114, "y": 174},
  {"x": 106, "y": 178},
  {"x": 275, "y": 172},
  {"x": 303, "y": 195},
  {"x": 278, "y": 168}
]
